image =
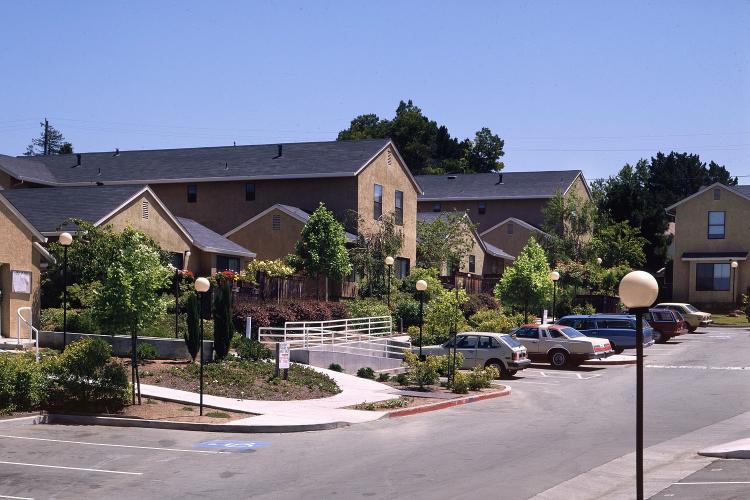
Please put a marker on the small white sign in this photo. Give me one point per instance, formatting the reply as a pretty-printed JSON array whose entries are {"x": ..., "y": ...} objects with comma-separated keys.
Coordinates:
[
  {"x": 544, "y": 317},
  {"x": 283, "y": 355},
  {"x": 21, "y": 282}
]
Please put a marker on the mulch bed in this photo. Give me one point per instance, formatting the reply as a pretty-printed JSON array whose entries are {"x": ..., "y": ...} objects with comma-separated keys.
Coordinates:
[
  {"x": 253, "y": 381},
  {"x": 432, "y": 394},
  {"x": 154, "y": 409}
]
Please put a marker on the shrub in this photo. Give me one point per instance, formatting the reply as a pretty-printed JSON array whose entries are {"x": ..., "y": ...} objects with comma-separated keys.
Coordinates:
[
  {"x": 335, "y": 367},
  {"x": 366, "y": 372},
  {"x": 424, "y": 372},
  {"x": 23, "y": 382},
  {"x": 494, "y": 321},
  {"x": 479, "y": 302},
  {"x": 78, "y": 321},
  {"x": 86, "y": 377},
  {"x": 460, "y": 383},
  {"x": 338, "y": 310},
  {"x": 384, "y": 377},
  {"x": 431, "y": 276},
  {"x": 144, "y": 351},
  {"x": 408, "y": 312},
  {"x": 252, "y": 350},
  {"x": 402, "y": 379},
  {"x": 481, "y": 378},
  {"x": 255, "y": 310},
  {"x": 362, "y": 308},
  {"x": 442, "y": 362},
  {"x": 278, "y": 314},
  {"x": 584, "y": 309}
]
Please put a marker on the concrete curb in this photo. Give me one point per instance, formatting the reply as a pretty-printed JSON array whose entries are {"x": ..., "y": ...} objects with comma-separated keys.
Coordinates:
[
  {"x": 405, "y": 412},
  {"x": 607, "y": 362},
  {"x": 739, "y": 449},
  {"x": 60, "y": 418},
  {"x": 20, "y": 421}
]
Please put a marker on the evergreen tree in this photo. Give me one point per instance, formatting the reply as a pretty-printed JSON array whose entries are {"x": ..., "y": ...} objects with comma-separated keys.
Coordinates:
[{"x": 55, "y": 143}]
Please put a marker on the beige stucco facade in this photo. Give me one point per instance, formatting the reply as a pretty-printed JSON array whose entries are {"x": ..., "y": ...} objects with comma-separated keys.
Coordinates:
[
  {"x": 691, "y": 235},
  {"x": 17, "y": 253},
  {"x": 267, "y": 242},
  {"x": 514, "y": 241}
]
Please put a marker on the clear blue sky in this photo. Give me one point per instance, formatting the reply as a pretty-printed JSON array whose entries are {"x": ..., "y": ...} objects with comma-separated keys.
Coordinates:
[{"x": 567, "y": 84}]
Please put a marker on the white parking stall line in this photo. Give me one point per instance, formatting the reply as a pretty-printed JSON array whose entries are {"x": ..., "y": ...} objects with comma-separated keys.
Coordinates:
[
  {"x": 84, "y": 469},
  {"x": 699, "y": 367},
  {"x": 156, "y": 448},
  {"x": 711, "y": 482}
]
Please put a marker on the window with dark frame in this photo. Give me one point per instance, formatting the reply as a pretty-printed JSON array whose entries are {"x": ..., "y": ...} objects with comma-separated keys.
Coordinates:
[
  {"x": 712, "y": 277},
  {"x": 716, "y": 226},
  {"x": 482, "y": 207},
  {"x": 401, "y": 267},
  {"x": 437, "y": 207},
  {"x": 472, "y": 264},
  {"x": 399, "y": 208},
  {"x": 227, "y": 263},
  {"x": 717, "y": 194},
  {"x": 249, "y": 191},
  {"x": 192, "y": 193},
  {"x": 377, "y": 196},
  {"x": 177, "y": 259},
  {"x": 510, "y": 228}
]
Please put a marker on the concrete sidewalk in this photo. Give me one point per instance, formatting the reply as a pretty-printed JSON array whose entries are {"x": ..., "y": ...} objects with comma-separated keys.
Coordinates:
[
  {"x": 313, "y": 412},
  {"x": 733, "y": 449}
]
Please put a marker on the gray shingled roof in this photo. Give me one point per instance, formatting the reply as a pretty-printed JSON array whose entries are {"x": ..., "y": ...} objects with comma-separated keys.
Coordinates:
[
  {"x": 298, "y": 160},
  {"x": 47, "y": 209},
  {"x": 497, "y": 252},
  {"x": 210, "y": 241},
  {"x": 541, "y": 184},
  {"x": 743, "y": 190}
]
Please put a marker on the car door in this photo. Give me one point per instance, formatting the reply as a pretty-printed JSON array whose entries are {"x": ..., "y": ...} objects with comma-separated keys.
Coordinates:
[
  {"x": 588, "y": 327},
  {"x": 529, "y": 337},
  {"x": 467, "y": 345},
  {"x": 486, "y": 350},
  {"x": 620, "y": 332}
]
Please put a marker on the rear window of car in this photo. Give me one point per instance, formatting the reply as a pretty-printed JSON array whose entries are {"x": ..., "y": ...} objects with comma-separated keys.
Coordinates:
[
  {"x": 578, "y": 323},
  {"x": 618, "y": 323},
  {"x": 572, "y": 333},
  {"x": 527, "y": 333},
  {"x": 691, "y": 308},
  {"x": 662, "y": 316},
  {"x": 511, "y": 341}
]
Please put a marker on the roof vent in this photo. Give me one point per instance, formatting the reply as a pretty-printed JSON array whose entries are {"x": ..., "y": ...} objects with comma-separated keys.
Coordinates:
[
  {"x": 278, "y": 155},
  {"x": 451, "y": 177},
  {"x": 226, "y": 165},
  {"x": 99, "y": 173},
  {"x": 117, "y": 152},
  {"x": 499, "y": 179},
  {"x": 78, "y": 160}
]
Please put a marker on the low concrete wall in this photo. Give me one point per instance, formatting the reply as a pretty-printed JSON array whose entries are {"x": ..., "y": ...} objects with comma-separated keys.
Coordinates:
[
  {"x": 165, "y": 348},
  {"x": 350, "y": 356}
]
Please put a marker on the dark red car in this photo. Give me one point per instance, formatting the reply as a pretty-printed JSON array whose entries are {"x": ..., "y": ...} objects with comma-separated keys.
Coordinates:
[{"x": 666, "y": 324}]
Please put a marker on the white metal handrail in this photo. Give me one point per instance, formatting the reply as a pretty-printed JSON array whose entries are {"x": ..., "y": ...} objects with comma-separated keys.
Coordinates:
[{"x": 33, "y": 332}]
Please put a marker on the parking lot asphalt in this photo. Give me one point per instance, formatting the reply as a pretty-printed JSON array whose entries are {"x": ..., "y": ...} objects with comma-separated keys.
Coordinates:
[
  {"x": 556, "y": 426},
  {"x": 720, "y": 480}
]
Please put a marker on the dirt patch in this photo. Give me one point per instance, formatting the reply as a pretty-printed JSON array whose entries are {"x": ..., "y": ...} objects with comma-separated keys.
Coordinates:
[
  {"x": 239, "y": 380},
  {"x": 20, "y": 414},
  {"x": 155, "y": 409}
]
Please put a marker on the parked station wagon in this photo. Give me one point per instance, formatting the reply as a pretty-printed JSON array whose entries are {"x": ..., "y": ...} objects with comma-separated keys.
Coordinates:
[
  {"x": 666, "y": 324},
  {"x": 619, "y": 329},
  {"x": 690, "y": 314},
  {"x": 500, "y": 350},
  {"x": 561, "y": 346}
]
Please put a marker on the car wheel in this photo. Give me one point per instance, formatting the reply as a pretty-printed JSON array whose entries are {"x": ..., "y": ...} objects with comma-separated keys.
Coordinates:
[
  {"x": 512, "y": 373},
  {"x": 559, "y": 359},
  {"x": 618, "y": 350},
  {"x": 500, "y": 367},
  {"x": 659, "y": 337},
  {"x": 692, "y": 329}
]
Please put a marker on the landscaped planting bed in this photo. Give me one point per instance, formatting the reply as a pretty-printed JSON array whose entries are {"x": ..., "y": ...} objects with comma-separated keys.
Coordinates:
[
  {"x": 154, "y": 409},
  {"x": 240, "y": 379}
]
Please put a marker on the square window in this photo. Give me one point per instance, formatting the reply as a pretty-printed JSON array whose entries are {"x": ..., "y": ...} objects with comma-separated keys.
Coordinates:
[
  {"x": 192, "y": 193},
  {"x": 437, "y": 207},
  {"x": 227, "y": 263},
  {"x": 712, "y": 277},
  {"x": 249, "y": 191}
]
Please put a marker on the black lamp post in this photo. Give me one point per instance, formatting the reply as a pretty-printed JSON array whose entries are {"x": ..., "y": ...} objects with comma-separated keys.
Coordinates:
[
  {"x": 734, "y": 283},
  {"x": 65, "y": 240},
  {"x": 638, "y": 290},
  {"x": 201, "y": 286},
  {"x": 554, "y": 276},
  {"x": 421, "y": 287},
  {"x": 389, "y": 263}
]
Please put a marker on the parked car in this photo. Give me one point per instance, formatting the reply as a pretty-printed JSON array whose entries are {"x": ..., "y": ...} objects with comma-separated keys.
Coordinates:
[
  {"x": 559, "y": 345},
  {"x": 619, "y": 329},
  {"x": 691, "y": 314},
  {"x": 500, "y": 350},
  {"x": 666, "y": 324}
]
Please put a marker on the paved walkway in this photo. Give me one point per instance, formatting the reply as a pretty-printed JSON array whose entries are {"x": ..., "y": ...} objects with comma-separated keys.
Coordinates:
[{"x": 354, "y": 390}]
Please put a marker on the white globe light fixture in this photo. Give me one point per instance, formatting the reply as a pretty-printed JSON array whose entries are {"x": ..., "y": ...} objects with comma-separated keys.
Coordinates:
[
  {"x": 389, "y": 261},
  {"x": 421, "y": 285},
  {"x": 638, "y": 289},
  {"x": 65, "y": 239},
  {"x": 554, "y": 275},
  {"x": 599, "y": 260},
  {"x": 734, "y": 264},
  {"x": 202, "y": 285}
]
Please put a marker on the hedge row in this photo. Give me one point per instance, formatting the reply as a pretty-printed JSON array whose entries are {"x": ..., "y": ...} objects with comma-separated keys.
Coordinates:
[{"x": 274, "y": 314}]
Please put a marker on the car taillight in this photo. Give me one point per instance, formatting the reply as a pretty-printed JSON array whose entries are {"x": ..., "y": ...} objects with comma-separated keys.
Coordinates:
[{"x": 516, "y": 355}]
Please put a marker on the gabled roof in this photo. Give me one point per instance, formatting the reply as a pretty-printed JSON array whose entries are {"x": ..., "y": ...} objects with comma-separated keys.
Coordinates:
[
  {"x": 255, "y": 162},
  {"x": 294, "y": 212},
  {"x": 486, "y": 247},
  {"x": 47, "y": 209},
  {"x": 22, "y": 218},
  {"x": 515, "y": 221},
  {"x": 210, "y": 241},
  {"x": 743, "y": 191},
  {"x": 541, "y": 184}
]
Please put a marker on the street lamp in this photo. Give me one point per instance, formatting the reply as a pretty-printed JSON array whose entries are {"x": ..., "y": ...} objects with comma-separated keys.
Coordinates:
[
  {"x": 599, "y": 260},
  {"x": 201, "y": 286},
  {"x": 65, "y": 240},
  {"x": 638, "y": 290},
  {"x": 389, "y": 263},
  {"x": 421, "y": 287},
  {"x": 734, "y": 283},
  {"x": 554, "y": 276}
]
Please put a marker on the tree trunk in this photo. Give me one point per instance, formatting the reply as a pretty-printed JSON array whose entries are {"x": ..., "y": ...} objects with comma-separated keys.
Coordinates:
[
  {"x": 326, "y": 288},
  {"x": 525, "y": 312}
]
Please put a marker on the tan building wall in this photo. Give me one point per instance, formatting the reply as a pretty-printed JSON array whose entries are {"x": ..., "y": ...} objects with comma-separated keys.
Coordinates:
[
  {"x": 511, "y": 243},
  {"x": 392, "y": 177},
  {"x": 691, "y": 235},
  {"x": 16, "y": 253},
  {"x": 221, "y": 206},
  {"x": 267, "y": 243}
]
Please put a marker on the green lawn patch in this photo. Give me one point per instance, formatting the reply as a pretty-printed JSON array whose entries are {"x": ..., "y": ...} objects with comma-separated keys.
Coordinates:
[{"x": 724, "y": 319}]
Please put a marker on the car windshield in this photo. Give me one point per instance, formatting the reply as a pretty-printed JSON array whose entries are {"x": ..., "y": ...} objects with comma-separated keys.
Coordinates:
[
  {"x": 510, "y": 341},
  {"x": 691, "y": 308},
  {"x": 571, "y": 333}
]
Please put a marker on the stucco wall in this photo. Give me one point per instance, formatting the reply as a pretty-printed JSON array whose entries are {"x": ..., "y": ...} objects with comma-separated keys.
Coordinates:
[
  {"x": 221, "y": 206},
  {"x": 511, "y": 243},
  {"x": 16, "y": 253},
  {"x": 392, "y": 178},
  {"x": 691, "y": 235},
  {"x": 260, "y": 237}
]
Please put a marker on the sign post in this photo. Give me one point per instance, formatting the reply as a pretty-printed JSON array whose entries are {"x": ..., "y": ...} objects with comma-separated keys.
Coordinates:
[
  {"x": 249, "y": 327},
  {"x": 282, "y": 359}
]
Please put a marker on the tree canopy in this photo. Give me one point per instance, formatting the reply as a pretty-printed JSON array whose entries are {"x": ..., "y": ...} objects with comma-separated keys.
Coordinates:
[
  {"x": 55, "y": 143},
  {"x": 428, "y": 148},
  {"x": 443, "y": 240},
  {"x": 526, "y": 284}
]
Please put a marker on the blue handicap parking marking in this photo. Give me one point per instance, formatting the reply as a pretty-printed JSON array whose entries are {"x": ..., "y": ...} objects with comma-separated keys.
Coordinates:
[{"x": 231, "y": 445}]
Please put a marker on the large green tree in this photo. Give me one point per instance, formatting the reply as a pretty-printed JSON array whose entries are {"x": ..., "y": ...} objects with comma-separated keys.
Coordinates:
[
  {"x": 50, "y": 143},
  {"x": 426, "y": 146},
  {"x": 526, "y": 284},
  {"x": 444, "y": 240},
  {"x": 374, "y": 243},
  {"x": 569, "y": 222},
  {"x": 321, "y": 249}
]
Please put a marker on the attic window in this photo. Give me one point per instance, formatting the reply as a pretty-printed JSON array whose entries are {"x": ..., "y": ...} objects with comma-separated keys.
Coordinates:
[
  {"x": 144, "y": 209},
  {"x": 276, "y": 223},
  {"x": 717, "y": 194},
  {"x": 510, "y": 228}
]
